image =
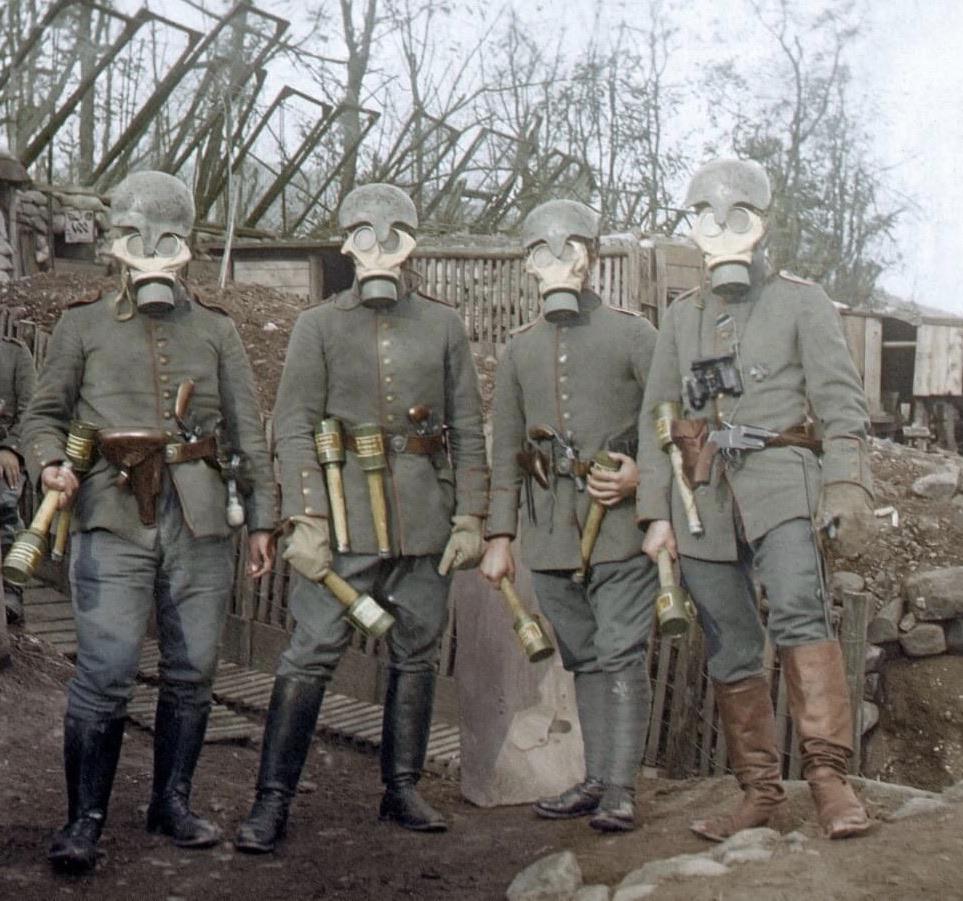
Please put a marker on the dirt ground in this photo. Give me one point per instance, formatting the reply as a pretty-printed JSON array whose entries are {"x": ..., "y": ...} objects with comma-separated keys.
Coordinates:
[{"x": 337, "y": 849}]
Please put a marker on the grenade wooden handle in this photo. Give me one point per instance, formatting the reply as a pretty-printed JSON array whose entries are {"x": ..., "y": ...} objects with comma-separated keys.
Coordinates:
[
  {"x": 685, "y": 492},
  {"x": 339, "y": 509},
  {"x": 512, "y": 599},
  {"x": 340, "y": 589},
  {"x": 59, "y": 548},
  {"x": 666, "y": 572},
  {"x": 379, "y": 511},
  {"x": 45, "y": 513}
]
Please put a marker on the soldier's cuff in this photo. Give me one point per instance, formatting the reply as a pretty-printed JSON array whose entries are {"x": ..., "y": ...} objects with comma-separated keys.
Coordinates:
[
  {"x": 652, "y": 504},
  {"x": 472, "y": 492},
  {"x": 503, "y": 513},
  {"x": 304, "y": 493},
  {"x": 846, "y": 460},
  {"x": 41, "y": 455}
]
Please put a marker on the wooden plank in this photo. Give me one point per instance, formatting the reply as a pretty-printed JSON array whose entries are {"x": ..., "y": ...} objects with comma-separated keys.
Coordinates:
[
  {"x": 852, "y": 637},
  {"x": 854, "y": 330},
  {"x": 658, "y": 702},
  {"x": 873, "y": 364}
]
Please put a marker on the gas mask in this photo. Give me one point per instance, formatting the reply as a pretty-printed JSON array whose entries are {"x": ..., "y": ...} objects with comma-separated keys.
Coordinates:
[
  {"x": 372, "y": 215},
  {"x": 154, "y": 213},
  {"x": 556, "y": 234},
  {"x": 560, "y": 278},
  {"x": 730, "y": 198}
]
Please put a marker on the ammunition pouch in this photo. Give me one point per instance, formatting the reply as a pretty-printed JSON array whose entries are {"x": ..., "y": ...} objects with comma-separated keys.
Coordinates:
[
  {"x": 427, "y": 445},
  {"x": 140, "y": 455}
]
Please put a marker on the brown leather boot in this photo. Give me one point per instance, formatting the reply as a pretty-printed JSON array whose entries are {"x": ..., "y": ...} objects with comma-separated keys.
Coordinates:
[
  {"x": 749, "y": 724},
  {"x": 819, "y": 703}
]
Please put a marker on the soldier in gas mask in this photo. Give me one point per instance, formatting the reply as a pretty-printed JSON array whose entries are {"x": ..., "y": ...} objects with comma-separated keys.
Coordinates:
[
  {"x": 773, "y": 430},
  {"x": 568, "y": 387},
  {"x": 149, "y": 518},
  {"x": 16, "y": 388},
  {"x": 393, "y": 367}
]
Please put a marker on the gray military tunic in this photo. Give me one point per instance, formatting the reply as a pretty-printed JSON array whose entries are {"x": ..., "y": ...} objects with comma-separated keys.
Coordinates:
[
  {"x": 757, "y": 509},
  {"x": 364, "y": 365},
  {"x": 118, "y": 372},
  {"x": 586, "y": 377}
]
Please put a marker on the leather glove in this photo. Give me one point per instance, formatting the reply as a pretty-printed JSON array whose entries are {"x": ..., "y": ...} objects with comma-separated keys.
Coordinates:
[
  {"x": 308, "y": 548},
  {"x": 847, "y": 510},
  {"x": 465, "y": 545}
]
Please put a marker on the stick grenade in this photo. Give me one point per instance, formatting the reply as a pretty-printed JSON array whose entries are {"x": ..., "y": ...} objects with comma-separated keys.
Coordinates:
[
  {"x": 664, "y": 414},
  {"x": 673, "y": 606},
  {"x": 31, "y": 544},
  {"x": 329, "y": 444},
  {"x": 593, "y": 523},
  {"x": 362, "y": 610},
  {"x": 527, "y": 627},
  {"x": 370, "y": 447}
]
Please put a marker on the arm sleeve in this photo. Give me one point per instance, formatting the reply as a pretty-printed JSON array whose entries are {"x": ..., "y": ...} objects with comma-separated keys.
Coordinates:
[
  {"x": 835, "y": 392},
  {"x": 301, "y": 402},
  {"x": 508, "y": 437},
  {"x": 24, "y": 380},
  {"x": 463, "y": 415},
  {"x": 43, "y": 430},
  {"x": 239, "y": 407},
  {"x": 654, "y": 495}
]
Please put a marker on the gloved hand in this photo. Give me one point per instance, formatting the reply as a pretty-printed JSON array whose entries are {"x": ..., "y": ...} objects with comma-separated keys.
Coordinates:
[
  {"x": 308, "y": 547},
  {"x": 465, "y": 546},
  {"x": 847, "y": 509}
]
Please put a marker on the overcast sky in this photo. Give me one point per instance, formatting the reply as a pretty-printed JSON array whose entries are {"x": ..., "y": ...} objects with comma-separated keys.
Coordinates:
[{"x": 907, "y": 67}]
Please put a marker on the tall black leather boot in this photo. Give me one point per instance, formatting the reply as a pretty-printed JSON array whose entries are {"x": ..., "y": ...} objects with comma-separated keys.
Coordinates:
[
  {"x": 179, "y": 728},
  {"x": 627, "y": 703},
  {"x": 91, "y": 752},
  {"x": 404, "y": 744},
  {"x": 292, "y": 717}
]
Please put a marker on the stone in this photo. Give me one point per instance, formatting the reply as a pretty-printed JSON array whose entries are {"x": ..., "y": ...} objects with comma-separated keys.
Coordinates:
[
  {"x": 633, "y": 892},
  {"x": 847, "y": 581},
  {"x": 874, "y": 658},
  {"x": 680, "y": 865},
  {"x": 924, "y": 640},
  {"x": 871, "y": 686},
  {"x": 870, "y": 716},
  {"x": 760, "y": 837},
  {"x": 935, "y": 594},
  {"x": 954, "y": 793},
  {"x": 592, "y": 893},
  {"x": 939, "y": 485},
  {"x": 552, "y": 878},
  {"x": 746, "y": 855},
  {"x": 888, "y": 794},
  {"x": 916, "y": 807},
  {"x": 954, "y": 635},
  {"x": 883, "y": 626},
  {"x": 907, "y": 622}
]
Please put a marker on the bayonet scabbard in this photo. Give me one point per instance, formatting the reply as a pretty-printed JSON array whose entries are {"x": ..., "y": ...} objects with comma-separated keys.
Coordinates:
[
  {"x": 370, "y": 448},
  {"x": 329, "y": 444}
]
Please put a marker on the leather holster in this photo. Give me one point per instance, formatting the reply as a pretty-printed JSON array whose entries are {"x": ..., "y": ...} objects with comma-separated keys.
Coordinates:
[{"x": 690, "y": 436}]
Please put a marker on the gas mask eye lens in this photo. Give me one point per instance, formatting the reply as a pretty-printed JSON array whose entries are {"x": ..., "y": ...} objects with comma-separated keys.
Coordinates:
[
  {"x": 568, "y": 252},
  {"x": 739, "y": 220},
  {"x": 364, "y": 238},
  {"x": 542, "y": 256},
  {"x": 135, "y": 245},
  {"x": 708, "y": 224},
  {"x": 168, "y": 246},
  {"x": 391, "y": 243}
]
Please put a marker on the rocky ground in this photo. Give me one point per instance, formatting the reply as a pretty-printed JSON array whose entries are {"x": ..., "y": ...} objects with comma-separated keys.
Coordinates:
[{"x": 337, "y": 849}]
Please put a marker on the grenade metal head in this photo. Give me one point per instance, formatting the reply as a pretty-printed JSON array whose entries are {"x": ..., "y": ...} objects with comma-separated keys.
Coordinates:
[
  {"x": 329, "y": 442},
  {"x": 664, "y": 414},
  {"x": 369, "y": 617},
  {"x": 674, "y": 610},
  {"x": 24, "y": 557},
  {"x": 532, "y": 638},
  {"x": 81, "y": 445}
]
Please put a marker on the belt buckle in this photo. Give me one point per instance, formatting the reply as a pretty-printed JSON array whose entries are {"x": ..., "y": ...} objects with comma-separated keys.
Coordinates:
[
  {"x": 399, "y": 443},
  {"x": 171, "y": 452},
  {"x": 563, "y": 466}
]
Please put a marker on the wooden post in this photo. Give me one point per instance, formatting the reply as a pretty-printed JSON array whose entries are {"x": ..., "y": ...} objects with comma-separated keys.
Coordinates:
[{"x": 852, "y": 637}]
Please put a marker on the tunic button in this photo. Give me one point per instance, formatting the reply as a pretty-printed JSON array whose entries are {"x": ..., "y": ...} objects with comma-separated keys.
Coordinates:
[
  {"x": 563, "y": 378},
  {"x": 167, "y": 395},
  {"x": 384, "y": 324},
  {"x": 304, "y": 473},
  {"x": 564, "y": 397},
  {"x": 563, "y": 358},
  {"x": 390, "y": 418},
  {"x": 164, "y": 378},
  {"x": 566, "y": 416},
  {"x": 386, "y": 361},
  {"x": 305, "y": 491},
  {"x": 164, "y": 360},
  {"x": 168, "y": 414},
  {"x": 387, "y": 379},
  {"x": 161, "y": 342},
  {"x": 309, "y": 510},
  {"x": 386, "y": 343},
  {"x": 389, "y": 398}
]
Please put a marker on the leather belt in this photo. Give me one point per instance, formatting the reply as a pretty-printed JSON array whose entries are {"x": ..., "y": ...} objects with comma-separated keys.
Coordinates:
[
  {"x": 405, "y": 444},
  {"x": 181, "y": 452},
  {"x": 797, "y": 436}
]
